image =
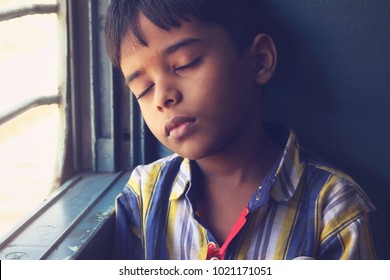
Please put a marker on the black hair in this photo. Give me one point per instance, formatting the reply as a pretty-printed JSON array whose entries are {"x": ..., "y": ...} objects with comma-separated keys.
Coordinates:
[{"x": 238, "y": 17}]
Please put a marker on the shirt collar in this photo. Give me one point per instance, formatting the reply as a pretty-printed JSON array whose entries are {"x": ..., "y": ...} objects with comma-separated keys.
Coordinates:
[
  {"x": 182, "y": 181},
  {"x": 280, "y": 183},
  {"x": 289, "y": 171}
]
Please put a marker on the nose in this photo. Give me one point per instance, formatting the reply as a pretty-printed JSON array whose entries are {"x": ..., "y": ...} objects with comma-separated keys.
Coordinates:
[{"x": 166, "y": 95}]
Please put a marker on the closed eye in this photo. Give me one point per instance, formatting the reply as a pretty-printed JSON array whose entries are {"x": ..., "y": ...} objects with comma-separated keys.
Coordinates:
[
  {"x": 192, "y": 64},
  {"x": 144, "y": 92}
]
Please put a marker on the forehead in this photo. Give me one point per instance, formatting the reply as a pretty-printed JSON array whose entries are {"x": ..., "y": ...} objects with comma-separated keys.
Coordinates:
[{"x": 158, "y": 39}]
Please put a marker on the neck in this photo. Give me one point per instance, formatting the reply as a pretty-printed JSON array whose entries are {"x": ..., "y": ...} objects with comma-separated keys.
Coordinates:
[{"x": 245, "y": 161}]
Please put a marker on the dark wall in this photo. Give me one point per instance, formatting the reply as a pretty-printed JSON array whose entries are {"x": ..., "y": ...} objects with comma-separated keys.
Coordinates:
[{"x": 333, "y": 84}]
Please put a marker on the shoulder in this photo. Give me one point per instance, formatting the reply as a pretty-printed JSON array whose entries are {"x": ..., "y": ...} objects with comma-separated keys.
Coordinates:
[
  {"x": 144, "y": 177},
  {"x": 338, "y": 197},
  {"x": 143, "y": 182}
]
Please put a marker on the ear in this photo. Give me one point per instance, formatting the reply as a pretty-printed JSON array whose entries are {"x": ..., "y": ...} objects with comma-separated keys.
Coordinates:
[{"x": 264, "y": 58}]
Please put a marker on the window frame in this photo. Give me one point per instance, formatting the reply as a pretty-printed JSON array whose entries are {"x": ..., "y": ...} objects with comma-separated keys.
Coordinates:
[
  {"x": 21, "y": 11},
  {"x": 104, "y": 138}
]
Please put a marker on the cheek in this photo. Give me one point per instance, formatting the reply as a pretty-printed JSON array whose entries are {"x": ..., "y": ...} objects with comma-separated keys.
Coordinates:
[
  {"x": 227, "y": 74},
  {"x": 222, "y": 86},
  {"x": 211, "y": 84},
  {"x": 152, "y": 120}
]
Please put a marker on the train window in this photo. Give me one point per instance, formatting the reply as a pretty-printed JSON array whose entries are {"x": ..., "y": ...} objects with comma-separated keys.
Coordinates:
[
  {"x": 29, "y": 110},
  {"x": 101, "y": 137}
]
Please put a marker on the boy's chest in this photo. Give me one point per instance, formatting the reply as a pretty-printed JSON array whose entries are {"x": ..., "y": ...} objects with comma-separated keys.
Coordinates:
[
  {"x": 221, "y": 216},
  {"x": 265, "y": 234},
  {"x": 220, "y": 210}
]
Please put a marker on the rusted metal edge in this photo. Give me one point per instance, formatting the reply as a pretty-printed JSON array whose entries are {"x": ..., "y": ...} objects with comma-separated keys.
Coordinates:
[{"x": 16, "y": 12}]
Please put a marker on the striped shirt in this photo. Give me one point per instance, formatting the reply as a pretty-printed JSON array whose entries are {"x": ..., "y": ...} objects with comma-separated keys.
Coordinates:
[{"x": 304, "y": 208}]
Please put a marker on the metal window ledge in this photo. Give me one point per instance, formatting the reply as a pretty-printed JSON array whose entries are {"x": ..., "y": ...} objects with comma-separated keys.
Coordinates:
[{"x": 75, "y": 222}]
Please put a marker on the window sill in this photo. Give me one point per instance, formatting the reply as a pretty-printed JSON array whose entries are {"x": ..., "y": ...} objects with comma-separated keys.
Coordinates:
[{"x": 75, "y": 222}]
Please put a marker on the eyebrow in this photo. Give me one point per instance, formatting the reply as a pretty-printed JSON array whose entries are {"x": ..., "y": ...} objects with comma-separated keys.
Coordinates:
[{"x": 187, "y": 42}]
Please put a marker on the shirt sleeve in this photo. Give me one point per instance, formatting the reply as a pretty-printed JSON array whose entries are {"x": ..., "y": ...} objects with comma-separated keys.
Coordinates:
[
  {"x": 128, "y": 244},
  {"x": 350, "y": 227},
  {"x": 360, "y": 239}
]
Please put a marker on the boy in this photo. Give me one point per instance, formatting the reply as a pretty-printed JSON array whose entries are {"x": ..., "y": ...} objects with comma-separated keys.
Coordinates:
[{"x": 235, "y": 188}]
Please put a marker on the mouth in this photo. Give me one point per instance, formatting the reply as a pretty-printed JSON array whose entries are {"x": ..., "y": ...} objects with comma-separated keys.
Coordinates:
[{"x": 179, "y": 127}]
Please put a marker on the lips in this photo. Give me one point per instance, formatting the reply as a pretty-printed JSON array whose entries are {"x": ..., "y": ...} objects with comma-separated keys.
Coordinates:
[{"x": 179, "y": 127}]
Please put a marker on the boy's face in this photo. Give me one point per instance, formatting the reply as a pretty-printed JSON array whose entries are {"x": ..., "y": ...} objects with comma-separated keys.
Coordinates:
[{"x": 196, "y": 94}]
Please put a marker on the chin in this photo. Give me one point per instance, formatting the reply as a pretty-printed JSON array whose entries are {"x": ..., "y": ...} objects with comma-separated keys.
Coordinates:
[
  {"x": 191, "y": 155},
  {"x": 195, "y": 152}
]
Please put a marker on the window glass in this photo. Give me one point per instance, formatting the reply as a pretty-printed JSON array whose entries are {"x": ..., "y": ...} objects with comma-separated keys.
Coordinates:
[{"x": 28, "y": 142}]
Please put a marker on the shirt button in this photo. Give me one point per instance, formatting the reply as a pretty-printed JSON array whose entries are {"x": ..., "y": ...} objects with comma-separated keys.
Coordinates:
[
  {"x": 212, "y": 251},
  {"x": 212, "y": 247}
]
